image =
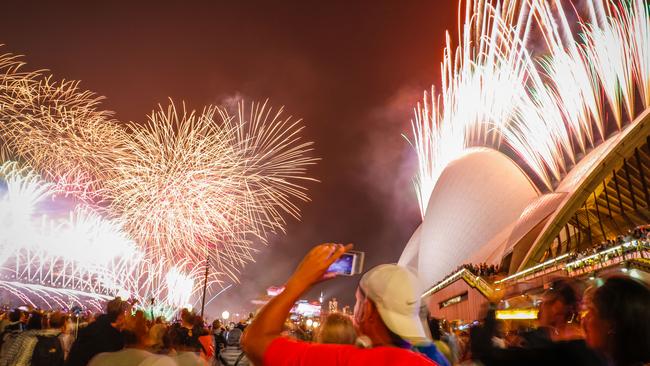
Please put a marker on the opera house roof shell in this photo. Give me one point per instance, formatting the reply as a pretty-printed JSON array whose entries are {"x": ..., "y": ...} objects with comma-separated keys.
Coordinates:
[{"x": 525, "y": 143}]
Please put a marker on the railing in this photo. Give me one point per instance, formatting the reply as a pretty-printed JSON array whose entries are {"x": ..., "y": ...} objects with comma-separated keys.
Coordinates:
[
  {"x": 534, "y": 269},
  {"x": 473, "y": 280},
  {"x": 435, "y": 288},
  {"x": 637, "y": 249},
  {"x": 634, "y": 249},
  {"x": 479, "y": 283}
]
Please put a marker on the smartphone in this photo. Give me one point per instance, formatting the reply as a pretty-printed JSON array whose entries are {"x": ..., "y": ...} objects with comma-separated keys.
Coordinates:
[{"x": 349, "y": 264}]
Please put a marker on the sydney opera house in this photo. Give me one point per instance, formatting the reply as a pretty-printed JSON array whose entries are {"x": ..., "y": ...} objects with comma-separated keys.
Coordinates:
[{"x": 534, "y": 163}]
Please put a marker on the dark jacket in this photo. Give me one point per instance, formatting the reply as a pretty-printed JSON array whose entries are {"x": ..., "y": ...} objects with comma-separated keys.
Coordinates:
[
  {"x": 556, "y": 353},
  {"x": 96, "y": 338}
]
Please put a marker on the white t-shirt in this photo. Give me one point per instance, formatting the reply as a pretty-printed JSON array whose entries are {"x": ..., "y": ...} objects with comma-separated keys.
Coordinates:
[
  {"x": 189, "y": 359},
  {"x": 157, "y": 360},
  {"x": 131, "y": 357}
]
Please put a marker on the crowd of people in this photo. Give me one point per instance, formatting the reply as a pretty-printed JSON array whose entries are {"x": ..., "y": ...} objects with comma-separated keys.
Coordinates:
[
  {"x": 576, "y": 325},
  {"x": 607, "y": 325},
  {"x": 639, "y": 233},
  {"x": 482, "y": 269},
  {"x": 489, "y": 270},
  {"x": 119, "y": 336}
]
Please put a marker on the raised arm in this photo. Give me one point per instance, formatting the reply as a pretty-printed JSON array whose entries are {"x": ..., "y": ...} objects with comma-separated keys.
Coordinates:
[{"x": 268, "y": 324}]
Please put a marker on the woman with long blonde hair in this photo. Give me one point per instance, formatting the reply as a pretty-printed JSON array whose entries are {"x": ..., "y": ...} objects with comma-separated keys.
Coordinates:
[{"x": 337, "y": 328}]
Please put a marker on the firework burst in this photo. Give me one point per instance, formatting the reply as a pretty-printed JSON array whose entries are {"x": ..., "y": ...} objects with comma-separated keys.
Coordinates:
[
  {"x": 203, "y": 185},
  {"x": 57, "y": 128},
  {"x": 523, "y": 79},
  {"x": 80, "y": 252},
  {"x": 81, "y": 257},
  {"x": 189, "y": 190}
]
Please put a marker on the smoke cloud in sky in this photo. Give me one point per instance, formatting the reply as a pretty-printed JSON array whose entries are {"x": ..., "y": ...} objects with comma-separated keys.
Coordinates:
[
  {"x": 231, "y": 101},
  {"x": 392, "y": 162}
]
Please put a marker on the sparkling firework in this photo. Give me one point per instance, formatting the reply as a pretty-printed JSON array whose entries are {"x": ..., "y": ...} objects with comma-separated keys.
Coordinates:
[
  {"x": 82, "y": 255},
  {"x": 57, "y": 128},
  {"x": 523, "y": 79},
  {"x": 201, "y": 186},
  {"x": 78, "y": 259},
  {"x": 166, "y": 198},
  {"x": 23, "y": 190}
]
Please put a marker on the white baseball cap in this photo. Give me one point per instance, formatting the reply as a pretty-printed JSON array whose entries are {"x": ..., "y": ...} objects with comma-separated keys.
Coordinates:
[{"x": 396, "y": 292}]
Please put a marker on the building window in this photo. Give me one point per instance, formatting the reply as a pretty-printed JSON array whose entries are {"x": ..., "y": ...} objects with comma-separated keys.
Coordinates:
[{"x": 453, "y": 300}]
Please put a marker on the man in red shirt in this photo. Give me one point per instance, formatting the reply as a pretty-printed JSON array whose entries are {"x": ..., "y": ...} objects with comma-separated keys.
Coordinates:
[{"x": 264, "y": 344}]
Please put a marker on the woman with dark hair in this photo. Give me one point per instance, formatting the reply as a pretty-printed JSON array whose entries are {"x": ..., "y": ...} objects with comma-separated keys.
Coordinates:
[
  {"x": 557, "y": 316},
  {"x": 35, "y": 321},
  {"x": 184, "y": 349},
  {"x": 558, "y": 344},
  {"x": 617, "y": 323}
]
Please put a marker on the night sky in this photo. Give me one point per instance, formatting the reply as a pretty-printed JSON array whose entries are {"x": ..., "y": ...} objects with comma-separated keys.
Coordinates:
[{"x": 351, "y": 70}]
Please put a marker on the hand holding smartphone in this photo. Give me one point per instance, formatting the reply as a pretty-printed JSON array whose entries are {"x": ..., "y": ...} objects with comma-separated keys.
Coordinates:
[{"x": 349, "y": 264}]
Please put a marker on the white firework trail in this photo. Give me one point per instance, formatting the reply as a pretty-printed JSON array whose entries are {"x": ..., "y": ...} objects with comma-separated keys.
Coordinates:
[
  {"x": 78, "y": 259},
  {"x": 545, "y": 105}
]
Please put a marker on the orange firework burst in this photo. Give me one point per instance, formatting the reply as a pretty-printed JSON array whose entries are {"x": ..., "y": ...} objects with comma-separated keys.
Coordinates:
[
  {"x": 198, "y": 185},
  {"x": 57, "y": 128}
]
